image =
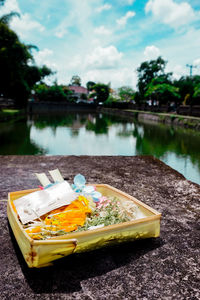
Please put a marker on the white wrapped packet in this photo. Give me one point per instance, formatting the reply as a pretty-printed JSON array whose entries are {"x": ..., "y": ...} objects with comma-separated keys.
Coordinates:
[{"x": 38, "y": 203}]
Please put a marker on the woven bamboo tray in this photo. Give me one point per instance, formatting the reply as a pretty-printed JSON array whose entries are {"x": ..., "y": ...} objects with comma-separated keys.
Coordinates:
[{"x": 40, "y": 253}]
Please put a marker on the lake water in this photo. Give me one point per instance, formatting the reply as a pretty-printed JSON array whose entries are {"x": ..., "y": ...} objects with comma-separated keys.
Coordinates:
[{"x": 99, "y": 134}]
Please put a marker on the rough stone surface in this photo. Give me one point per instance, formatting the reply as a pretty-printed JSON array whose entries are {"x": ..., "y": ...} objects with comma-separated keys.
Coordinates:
[{"x": 162, "y": 268}]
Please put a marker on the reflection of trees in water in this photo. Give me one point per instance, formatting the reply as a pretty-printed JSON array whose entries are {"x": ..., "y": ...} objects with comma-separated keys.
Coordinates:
[
  {"x": 53, "y": 121},
  {"x": 93, "y": 122},
  {"x": 83, "y": 119},
  {"x": 159, "y": 139},
  {"x": 73, "y": 121},
  {"x": 101, "y": 124},
  {"x": 151, "y": 139},
  {"x": 74, "y": 132},
  {"x": 126, "y": 130},
  {"x": 15, "y": 140}
]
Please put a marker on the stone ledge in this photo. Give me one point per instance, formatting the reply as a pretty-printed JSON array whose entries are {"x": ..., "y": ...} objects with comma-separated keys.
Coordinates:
[
  {"x": 165, "y": 118},
  {"x": 162, "y": 268}
]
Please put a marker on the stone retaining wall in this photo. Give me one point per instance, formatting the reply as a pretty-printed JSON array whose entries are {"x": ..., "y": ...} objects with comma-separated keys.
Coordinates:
[
  {"x": 170, "y": 119},
  {"x": 55, "y": 107}
]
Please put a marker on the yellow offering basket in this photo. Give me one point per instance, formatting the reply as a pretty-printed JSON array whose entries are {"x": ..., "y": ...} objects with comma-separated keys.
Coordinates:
[{"x": 41, "y": 253}]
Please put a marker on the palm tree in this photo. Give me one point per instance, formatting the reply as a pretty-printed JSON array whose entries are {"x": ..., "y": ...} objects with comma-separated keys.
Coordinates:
[{"x": 5, "y": 19}]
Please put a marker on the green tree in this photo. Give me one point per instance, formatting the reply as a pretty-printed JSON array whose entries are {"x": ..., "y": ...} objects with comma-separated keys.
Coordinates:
[
  {"x": 67, "y": 92},
  {"x": 162, "y": 92},
  {"x": 197, "y": 91},
  {"x": 110, "y": 100},
  {"x": 52, "y": 93},
  {"x": 83, "y": 96},
  {"x": 5, "y": 19},
  {"x": 163, "y": 78},
  {"x": 17, "y": 76},
  {"x": 76, "y": 80},
  {"x": 186, "y": 85},
  {"x": 149, "y": 70},
  {"x": 196, "y": 95},
  {"x": 126, "y": 93},
  {"x": 102, "y": 92},
  {"x": 45, "y": 71},
  {"x": 90, "y": 85}
]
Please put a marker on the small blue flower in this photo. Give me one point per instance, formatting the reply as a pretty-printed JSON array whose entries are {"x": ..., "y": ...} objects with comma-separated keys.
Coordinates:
[
  {"x": 95, "y": 196},
  {"x": 79, "y": 181},
  {"x": 80, "y": 187}
]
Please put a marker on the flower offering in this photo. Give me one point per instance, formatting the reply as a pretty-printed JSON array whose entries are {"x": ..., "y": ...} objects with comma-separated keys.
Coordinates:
[{"x": 77, "y": 207}]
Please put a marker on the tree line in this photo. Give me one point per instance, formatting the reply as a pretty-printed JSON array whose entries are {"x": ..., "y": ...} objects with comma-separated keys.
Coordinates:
[
  {"x": 154, "y": 84},
  {"x": 19, "y": 73},
  {"x": 155, "y": 87}
]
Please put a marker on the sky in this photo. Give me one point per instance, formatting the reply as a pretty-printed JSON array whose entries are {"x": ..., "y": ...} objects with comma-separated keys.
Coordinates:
[{"x": 106, "y": 41}]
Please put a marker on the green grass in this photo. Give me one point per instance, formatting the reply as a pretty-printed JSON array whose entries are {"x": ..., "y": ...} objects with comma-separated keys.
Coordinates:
[
  {"x": 10, "y": 115},
  {"x": 10, "y": 111}
]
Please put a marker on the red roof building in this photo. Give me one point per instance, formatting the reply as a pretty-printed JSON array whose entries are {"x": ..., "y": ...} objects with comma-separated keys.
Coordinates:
[
  {"x": 80, "y": 93},
  {"x": 78, "y": 89}
]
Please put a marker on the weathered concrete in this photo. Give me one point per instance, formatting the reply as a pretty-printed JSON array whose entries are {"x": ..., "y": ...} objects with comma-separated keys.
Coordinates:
[{"x": 162, "y": 268}]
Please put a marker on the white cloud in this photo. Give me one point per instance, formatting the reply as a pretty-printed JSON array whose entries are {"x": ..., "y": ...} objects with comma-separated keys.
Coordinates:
[
  {"x": 182, "y": 48},
  {"x": 61, "y": 32},
  {"x": 25, "y": 23},
  {"x": 78, "y": 18},
  {"x": 43, "y": 57},
  {"x": 76, "y": 62},
  {"x": 177, "y": 70},
  {"x": 40, "y": 56},
  {"x": 196, "y": 62},
  {"x": 103, "y": 58},
  {"x": 171, "y": 13},
  {"x": 10, "y": 5},
  {"x": 95, "y": 42},
  {"x": 151, "y": 52},
  {"x": 102, "y": 30},
  {"x": 123, "y": 20},
  {"x": 128, "y": 2},
  {"x": 120, "y": 77},
  {"x": 103, "y": 7}
]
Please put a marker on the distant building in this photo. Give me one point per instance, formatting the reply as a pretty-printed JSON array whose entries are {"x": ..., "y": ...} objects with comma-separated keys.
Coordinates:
[
  {"x": 115, "y": 94},
  {"x": 79, "y": 92}
]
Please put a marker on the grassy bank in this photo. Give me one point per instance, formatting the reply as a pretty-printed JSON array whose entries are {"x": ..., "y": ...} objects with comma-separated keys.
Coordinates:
[{"x": 10, "y": 114}]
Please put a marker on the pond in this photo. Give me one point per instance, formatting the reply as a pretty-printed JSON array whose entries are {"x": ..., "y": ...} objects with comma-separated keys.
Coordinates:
[{"x": 100, "y": 134}]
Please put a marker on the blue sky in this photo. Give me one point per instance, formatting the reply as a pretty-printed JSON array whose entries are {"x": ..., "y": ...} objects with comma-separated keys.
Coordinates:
[{"x": 105, "y": 41}]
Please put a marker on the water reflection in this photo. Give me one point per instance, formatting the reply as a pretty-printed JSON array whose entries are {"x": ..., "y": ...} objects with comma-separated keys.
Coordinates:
[
  {"x": 177, "y": 147},
  {"x": 97, "y": 134},
  {"x": 15, "y": 140},
  {"x": 161, "y": 140}
]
